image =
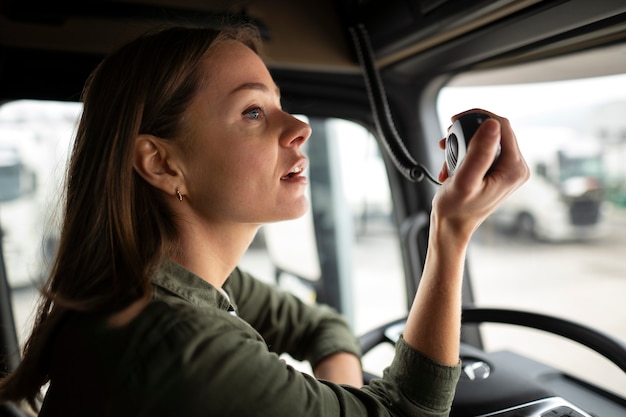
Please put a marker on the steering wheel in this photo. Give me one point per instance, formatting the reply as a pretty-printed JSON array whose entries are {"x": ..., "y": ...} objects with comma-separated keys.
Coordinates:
[
  {"x": 607, "y": 346},
  {"x": 479, "y": 398}
]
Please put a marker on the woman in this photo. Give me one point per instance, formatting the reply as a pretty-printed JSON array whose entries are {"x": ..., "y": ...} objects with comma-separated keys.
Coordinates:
[{"x": 182, "y": 152}]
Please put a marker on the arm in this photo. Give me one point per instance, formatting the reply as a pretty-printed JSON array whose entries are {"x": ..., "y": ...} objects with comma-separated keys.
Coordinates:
[
  {"x": 340, "y": 368},
  {"x": 460, "y": 206},
  {"x": 306, "y": 332}
]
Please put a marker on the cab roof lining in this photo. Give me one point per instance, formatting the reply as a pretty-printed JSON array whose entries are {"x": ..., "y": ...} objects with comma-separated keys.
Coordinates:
[{"x": 57, "y": 42}]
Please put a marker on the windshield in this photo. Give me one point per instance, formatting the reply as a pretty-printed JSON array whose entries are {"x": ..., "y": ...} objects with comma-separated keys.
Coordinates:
[{"x": 556, "y": 245}]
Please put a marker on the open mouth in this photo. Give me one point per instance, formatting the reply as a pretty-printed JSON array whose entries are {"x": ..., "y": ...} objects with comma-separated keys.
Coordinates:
[{"x": 295, "y": 172}]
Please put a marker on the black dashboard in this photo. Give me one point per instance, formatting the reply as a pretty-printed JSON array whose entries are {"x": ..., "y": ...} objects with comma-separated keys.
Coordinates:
[
  {"x": 511, "y": 385},
  {"x": 507, "y": 384}
]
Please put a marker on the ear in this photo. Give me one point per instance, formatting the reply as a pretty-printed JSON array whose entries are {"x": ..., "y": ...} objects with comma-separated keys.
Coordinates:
[{"x": 154, "y": 161}]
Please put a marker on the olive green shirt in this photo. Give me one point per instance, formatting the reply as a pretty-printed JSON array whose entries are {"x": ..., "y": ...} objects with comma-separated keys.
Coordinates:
[{"x": 187, "y": 355}]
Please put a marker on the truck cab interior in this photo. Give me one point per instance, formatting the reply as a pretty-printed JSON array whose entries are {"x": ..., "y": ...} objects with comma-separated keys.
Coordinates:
[{"x": 378, "y": 81}]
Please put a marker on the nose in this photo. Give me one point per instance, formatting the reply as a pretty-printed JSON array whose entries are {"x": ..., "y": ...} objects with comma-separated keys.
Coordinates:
[{"x": 296, "y": 132}]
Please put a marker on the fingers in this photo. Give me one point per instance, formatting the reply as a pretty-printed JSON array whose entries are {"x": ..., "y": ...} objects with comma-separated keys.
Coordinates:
[
  {"x": 442, "y": 143},
  {"x": 476, "y": 189},
  {"x": 478, "y": 173},
  {"x": 495, "y": 133},
  {"x": 478, "y": 185},
  {"x": 511, "y": 163}
]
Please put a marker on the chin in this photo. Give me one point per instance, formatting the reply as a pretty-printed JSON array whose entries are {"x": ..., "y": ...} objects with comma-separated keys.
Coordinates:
[
  {"x": 294, "y": 215},
  {"x": 295, "y": 211}
]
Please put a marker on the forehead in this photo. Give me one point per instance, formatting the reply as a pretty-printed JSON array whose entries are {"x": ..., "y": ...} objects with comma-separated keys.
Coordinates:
[{"x": 231, "y": 64}]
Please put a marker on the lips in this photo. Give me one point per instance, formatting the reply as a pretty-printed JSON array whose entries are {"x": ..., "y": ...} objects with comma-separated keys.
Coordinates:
[{"x": 295, "y": 171}]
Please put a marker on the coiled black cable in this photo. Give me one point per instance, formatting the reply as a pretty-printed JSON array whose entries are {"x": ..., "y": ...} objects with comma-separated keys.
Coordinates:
[{"x": 400, "y": 156}]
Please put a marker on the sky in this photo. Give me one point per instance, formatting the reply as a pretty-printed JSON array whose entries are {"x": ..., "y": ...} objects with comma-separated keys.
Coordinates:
[{"x": 522, "y": 102}]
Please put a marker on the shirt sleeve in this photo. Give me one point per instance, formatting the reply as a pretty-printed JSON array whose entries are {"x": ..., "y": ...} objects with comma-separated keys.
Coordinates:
[{"x": 288, "y": 325}]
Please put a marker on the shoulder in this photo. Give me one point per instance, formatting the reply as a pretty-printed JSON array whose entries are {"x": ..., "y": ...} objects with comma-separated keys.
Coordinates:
[
  {"x": 172, "y": 346},
  {"x": 180, "y": 321},
  {"x": 158, "y": 340}
]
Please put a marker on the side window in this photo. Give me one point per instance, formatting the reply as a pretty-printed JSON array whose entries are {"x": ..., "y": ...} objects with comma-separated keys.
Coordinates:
[
  {"x": 556, "y": 245},
  {"x": 34, "y": 142}
]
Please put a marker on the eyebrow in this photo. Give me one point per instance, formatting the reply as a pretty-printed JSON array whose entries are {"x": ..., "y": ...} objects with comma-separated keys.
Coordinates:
[{"x": 254, "y": 86}]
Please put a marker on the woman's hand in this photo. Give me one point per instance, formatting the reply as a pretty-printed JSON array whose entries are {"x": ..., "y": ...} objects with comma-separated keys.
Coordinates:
[{"x": 466, "y": 199}]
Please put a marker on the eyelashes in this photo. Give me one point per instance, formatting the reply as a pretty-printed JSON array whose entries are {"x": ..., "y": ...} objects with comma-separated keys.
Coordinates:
[
  {"x": 254, "y": 113},
  {"x": 257, "y": 112}
]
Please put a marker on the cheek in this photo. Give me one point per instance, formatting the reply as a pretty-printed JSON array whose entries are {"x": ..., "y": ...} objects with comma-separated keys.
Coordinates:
[
  {"x": 250, "y": 161},
  {"x": 234, "y": 174}
]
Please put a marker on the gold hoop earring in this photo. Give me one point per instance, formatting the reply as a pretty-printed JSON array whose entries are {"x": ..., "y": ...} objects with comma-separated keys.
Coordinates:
[{"x": 180, "y": 196}]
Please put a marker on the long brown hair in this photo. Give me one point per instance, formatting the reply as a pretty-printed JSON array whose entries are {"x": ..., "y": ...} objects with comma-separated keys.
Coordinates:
[{"x": 116, "y": 227}]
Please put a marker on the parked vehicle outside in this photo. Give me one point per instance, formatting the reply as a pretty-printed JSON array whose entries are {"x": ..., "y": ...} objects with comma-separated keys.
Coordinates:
[{"x": 565, "y": 197}]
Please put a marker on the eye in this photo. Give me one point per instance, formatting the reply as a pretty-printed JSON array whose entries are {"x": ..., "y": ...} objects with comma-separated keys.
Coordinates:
[{"x": 254, "y": 113}]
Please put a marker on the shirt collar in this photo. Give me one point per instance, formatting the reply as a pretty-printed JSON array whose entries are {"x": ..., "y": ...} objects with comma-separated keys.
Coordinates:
[{"x": 180, "y": 282}]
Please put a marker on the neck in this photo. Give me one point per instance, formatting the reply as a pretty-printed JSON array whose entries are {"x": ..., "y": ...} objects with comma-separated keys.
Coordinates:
[{"x": 212, "y": 252}]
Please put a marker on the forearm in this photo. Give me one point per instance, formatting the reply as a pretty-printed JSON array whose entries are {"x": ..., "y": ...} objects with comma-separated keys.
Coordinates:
[
  {"x": 433, "y": 325},
  {"x": 340, "y": 368}
]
